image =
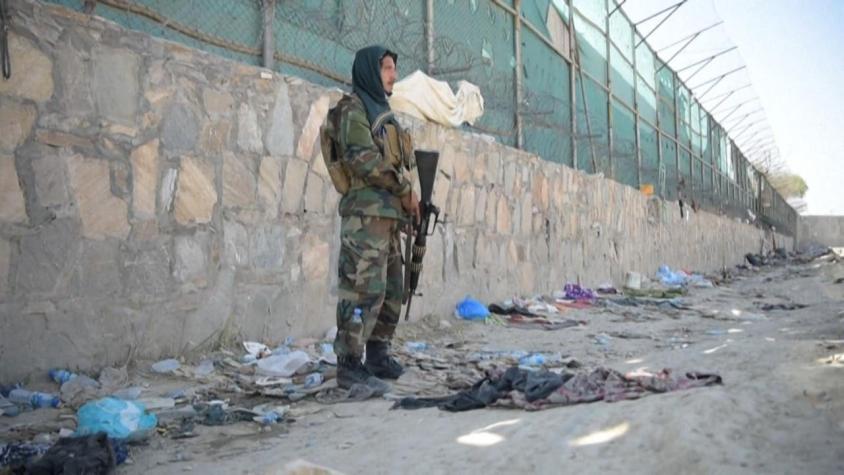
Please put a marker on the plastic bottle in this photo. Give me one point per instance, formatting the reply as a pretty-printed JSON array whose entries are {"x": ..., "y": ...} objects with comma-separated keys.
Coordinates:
[
  {"x": 34, "y": 399},
  {"x": 416, "y": 346},
  {"x": 271, "y": 417},
  {"x": 166, "y": 366},
  {"x": 313, "y": 380},
  {"x": 356, "y": 322},
  {"x": 535, "y": 359},
  {"x": 603, "y": 339},
  {"x": 8, "y": 408},
  {"x": 128, "y": 394},
  {"x": 61, "y": 376}
]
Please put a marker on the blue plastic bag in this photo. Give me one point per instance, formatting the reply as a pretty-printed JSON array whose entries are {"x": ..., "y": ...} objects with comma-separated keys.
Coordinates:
[
  {"x": 471, "y": 309},
  {"x": 671, "y": 278},
  {"x": 534, "y": 359},
  {"x": 119, "y": 419}
]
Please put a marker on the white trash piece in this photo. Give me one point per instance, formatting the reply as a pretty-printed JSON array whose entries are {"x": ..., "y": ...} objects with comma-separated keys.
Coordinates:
[
  {"x": 633, "y": 280},
  {"x": 204, "y": 368},
  {"x": 166, "y": 366},
  {"x": 283, "y": 365},
  {"x": 258, "y": 350}
]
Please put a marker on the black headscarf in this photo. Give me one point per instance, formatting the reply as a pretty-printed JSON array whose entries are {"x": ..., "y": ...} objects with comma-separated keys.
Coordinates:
[{"x": 366, "y": 80}]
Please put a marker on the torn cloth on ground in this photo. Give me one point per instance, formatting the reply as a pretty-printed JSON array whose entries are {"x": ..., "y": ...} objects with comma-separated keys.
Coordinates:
[
  {"x": 782, "y": 306},
  {"x": 426, "y": 98},
  {"x": 510, "y": 308},
  {"x": 577, "y": 293},
  {"x": 535, "y": 323},
  {"x": 655, "y": 293},
  {"x": 563, "y": 305},
  {"x": 91, "y": 454},
  {"x": 17, "y": 454},
  {"x": 534, "y": 390}
]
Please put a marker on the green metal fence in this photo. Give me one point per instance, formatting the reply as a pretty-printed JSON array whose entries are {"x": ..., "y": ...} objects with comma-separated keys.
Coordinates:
[{"x": 570, "y": 80}]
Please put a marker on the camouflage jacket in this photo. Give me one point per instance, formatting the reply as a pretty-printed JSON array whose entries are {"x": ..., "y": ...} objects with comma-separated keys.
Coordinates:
[{"x": 377, "y": 185}]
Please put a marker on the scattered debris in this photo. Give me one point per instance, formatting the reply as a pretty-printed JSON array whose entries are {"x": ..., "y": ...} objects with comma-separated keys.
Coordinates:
[
  {"x": 470, "y": 309},
  {"x": 284, "y": 365},
  {"x": 117, "y": 418},
  {"x": 416, "y": 346},
  {"x": 577, "y": 293},
  {"x": 781, "y": 306},
  {"x": 92, "y": 454},
  {"x": 166, "y": 366},
  {"x": 16, "y": 455},
  {"x": 221, "y": 388}
]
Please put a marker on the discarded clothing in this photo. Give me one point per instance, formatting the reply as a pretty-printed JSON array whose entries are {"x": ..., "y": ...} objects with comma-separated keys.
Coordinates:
[
  {"x": 534, "y": 384},
  {"x": 663, "y": 303},
  {"x": 680, "y": 278},
  {"x": 91, "y": 454},
  {"x": 655, "y": 293},
  {"x": 674, "y": 303},
  {"x": 535, "y": 390},
  {"x": 782, "y": 306},
  {"x": 18, "y": 454},
  {"x": 578, "y": 293},
  {"x": 510, "y": 308},
  {"x": 671, "y": 278},
  {"x": 534, "y": 323},
  {"x": 755, "y": 260},
  {"x": 576, "y": 305}
]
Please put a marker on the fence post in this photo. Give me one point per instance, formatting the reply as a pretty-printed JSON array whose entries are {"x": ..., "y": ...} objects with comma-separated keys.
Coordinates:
[
  {"x": 268, "y": 52},
  {"x": 675, "y": 100},
  {"x": 429, "y": 34},
  {"x": 608, "y": 79},
  {"x": 575, "y": 64},
  {"x": 637, "y": 117},
  {"x": 517, "y": 39}
]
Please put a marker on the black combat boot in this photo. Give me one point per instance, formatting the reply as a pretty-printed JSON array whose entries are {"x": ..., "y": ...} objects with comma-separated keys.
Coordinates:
[
  {"x": 350, "y": 371},
  {"x": 380, "y": 363}
]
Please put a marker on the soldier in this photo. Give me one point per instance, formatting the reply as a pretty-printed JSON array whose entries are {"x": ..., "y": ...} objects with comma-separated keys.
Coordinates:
[{"x": 376, "y": 154}]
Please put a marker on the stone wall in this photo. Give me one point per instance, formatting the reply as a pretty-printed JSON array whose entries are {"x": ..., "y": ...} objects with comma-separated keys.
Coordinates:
[
  {"x": 157, "y": 199},
  {"x": 824, "y": 230}
]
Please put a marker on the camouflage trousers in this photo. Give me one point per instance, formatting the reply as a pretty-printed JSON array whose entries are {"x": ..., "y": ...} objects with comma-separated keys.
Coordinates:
[{"x": 370, "y": 279}]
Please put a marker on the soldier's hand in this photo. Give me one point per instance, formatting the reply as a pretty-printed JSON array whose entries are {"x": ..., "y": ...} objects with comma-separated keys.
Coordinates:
[{"x": 410, "y": 203}]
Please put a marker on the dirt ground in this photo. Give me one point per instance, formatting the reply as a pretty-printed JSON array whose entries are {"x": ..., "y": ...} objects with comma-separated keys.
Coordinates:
[{"x": 779, "y": 410}]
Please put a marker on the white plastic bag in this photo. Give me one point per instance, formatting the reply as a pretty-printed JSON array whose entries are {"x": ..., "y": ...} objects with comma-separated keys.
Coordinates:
[{"x": 284, "y": 365}]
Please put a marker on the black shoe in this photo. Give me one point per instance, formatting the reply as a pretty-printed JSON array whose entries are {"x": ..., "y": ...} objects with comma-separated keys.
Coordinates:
[
  {"x": 380, "y": 363},
  {"x": 351, "y": 372}
]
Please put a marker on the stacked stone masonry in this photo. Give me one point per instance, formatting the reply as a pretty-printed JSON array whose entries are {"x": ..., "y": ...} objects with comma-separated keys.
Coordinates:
[{"x": 155, "y": 199}]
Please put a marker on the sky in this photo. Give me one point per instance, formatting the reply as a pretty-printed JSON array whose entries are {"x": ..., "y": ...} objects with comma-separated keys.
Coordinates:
[{"x": 794, "y": 54}]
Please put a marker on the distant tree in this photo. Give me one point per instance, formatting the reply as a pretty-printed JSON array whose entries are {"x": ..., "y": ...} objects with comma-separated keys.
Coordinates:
[{"x": 789, "y": 185}]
